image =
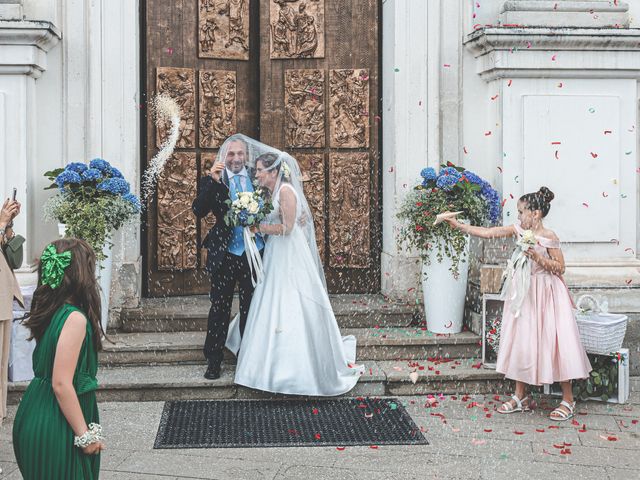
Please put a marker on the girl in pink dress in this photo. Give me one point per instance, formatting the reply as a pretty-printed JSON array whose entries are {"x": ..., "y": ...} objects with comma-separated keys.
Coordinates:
[{"x": 539, "y": 339}]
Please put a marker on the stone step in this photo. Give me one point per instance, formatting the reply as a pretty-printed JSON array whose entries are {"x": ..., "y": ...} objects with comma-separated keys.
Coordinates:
[
  {"x": 373, "y": 344},
  {"x": 185, "y": 382},
  {"x": 186, "y": 314}
]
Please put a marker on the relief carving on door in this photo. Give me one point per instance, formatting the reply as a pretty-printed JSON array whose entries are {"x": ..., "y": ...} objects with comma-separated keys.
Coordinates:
[
  {"x": 179, "y": 84},
  {"x": 304, "y": 108},
  {"x": 223, "y": 29},
  {"x": 312, "y": 168},
  {"x": 349, "y": 108},
  {"x": 297, "y": 28},
  {"x": 217, "y": 107},
  {"x": 349, "y": 229},
  {"x": 177, "y": 249}
]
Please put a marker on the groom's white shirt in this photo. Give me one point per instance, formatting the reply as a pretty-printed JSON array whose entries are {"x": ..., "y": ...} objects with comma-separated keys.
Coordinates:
[{"x": 244, "y": 176}]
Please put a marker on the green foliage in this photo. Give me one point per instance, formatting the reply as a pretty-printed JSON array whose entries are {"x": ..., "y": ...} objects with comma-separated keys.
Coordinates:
[
  {"x": 51, "y": 175},
  {"x": 418, "y": 212},
  {"x": 602, "y": 381}
]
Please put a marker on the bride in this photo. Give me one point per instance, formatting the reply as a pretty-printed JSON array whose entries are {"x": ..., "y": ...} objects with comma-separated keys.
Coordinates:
[{"x": 291, "y": 343}]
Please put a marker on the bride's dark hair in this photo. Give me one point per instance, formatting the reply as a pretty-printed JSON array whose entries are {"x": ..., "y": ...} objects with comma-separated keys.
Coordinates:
[{"x": 268, "y": 159}]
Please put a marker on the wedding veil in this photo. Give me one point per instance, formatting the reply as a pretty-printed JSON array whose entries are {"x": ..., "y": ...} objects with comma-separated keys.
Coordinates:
[{"x": 288, "y": 173}]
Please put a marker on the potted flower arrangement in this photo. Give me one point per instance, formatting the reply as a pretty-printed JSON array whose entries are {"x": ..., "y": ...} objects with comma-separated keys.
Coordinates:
[
  {"x": 444, "y": 251},
  {"x": 92, "y": 202}
]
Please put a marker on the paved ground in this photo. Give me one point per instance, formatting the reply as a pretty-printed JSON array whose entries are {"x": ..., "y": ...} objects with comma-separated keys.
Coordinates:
[{"x": 468, "y": 441}]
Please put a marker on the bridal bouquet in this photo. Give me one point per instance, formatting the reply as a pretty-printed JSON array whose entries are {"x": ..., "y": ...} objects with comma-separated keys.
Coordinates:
[
  {"x": 518, "y": 273},
  {"x": 248, "y": 210}
]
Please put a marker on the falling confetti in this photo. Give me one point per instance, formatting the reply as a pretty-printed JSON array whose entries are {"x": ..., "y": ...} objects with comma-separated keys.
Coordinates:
[
  {"x": 585, "y": 204},
  {"x": 560, "y": 85},
  {"x": 495, "y": 96},
  {"x": 608, "y": 132},
  {"x": 486, "y": 134},
  {"x": 509, "y": 83},
  {"x": 169, "y": 50},
  {"x": 553, "y": 58},
  {"x": 594, "y": 155},
  {"x": 592, "y": 110},
  {"x": 557, "y": 155}
]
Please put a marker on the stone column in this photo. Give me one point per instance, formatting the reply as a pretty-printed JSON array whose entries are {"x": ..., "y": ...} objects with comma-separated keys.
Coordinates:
[
  {"x": 23, "y": 58},
  {"x": 566, "y": 117}
]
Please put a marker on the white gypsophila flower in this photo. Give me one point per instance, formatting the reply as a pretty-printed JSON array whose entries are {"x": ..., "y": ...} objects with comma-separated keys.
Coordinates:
[{"x": 245, "y": 199}]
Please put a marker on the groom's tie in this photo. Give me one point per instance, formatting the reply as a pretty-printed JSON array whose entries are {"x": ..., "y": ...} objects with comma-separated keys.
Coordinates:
[{"x": 238, "y": 183}]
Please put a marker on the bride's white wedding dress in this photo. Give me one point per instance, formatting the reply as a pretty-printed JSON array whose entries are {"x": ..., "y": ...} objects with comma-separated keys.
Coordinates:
[{"x": 292, "y": 343}]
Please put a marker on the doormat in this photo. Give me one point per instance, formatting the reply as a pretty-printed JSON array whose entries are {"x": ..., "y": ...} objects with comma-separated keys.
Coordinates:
[{"x": 286, "y": 423}]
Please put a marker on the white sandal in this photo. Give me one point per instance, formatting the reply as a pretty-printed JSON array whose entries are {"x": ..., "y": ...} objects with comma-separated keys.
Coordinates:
[
  {"x": 507, "y": 407},
  {"x": 559, "y": 415}
]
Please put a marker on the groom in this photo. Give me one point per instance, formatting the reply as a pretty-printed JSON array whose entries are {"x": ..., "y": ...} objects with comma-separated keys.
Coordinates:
[{"x": 226, "y": 260}]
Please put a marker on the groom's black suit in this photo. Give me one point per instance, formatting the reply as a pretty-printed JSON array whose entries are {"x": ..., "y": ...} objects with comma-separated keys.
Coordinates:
[{"x": 225, "y": 269}]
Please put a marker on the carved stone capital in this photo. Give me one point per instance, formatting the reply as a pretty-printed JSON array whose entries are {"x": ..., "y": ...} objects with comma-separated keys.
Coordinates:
[{"x": 24, "y": 45}]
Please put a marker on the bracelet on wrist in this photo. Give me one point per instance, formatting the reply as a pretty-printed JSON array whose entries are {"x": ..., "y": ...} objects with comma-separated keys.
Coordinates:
[{"x": 93, "y": 435}]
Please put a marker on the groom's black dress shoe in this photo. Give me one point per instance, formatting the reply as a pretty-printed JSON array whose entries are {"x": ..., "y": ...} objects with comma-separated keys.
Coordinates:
[{"x": 213, "y": 371}]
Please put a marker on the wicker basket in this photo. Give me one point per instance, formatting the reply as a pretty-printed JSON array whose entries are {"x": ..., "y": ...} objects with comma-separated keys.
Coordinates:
[{"x": 601, "y": 332}]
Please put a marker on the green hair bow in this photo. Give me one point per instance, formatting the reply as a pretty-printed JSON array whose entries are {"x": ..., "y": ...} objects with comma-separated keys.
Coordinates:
[{"x": 53, "y": 266}]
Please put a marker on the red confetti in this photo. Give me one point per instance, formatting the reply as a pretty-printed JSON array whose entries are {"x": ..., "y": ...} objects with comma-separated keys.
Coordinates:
[
  {"x": 628, "y": 282},
  {"x": 374, "y": 447},
  {"x": 449, "y": 325},
  {"x": 585, "y": 204},
  {"x": 315, "y": 411},
  {"x": 464, "y": 149},
  {"x": 477, "y": 365},
  {"x": 607, "y": 132},
  {"x": 554, "y": 426},
  {"x": 560, "y": 85},
  {"x": 488, "y": 430},
  {"x": 540, "y": 430},
  {"x": 556, "y": 143},
  {"x": 486, "y": 134},
  {"x": 317, "y": 435},
  {"x": 605, "y": 194},
  {"x": 390, "y": 169},
  {"x": 509, "y": 83},
  {"x": 517, "y": 432},
  {"x": 553, "y": 58},
  {"x": 494, "y": 97},
  {"x": 340, "y": 449},
  {"x": 169, "y": 50},
  {"x": 630, "y": 250},
  {"x": 594, "y": 155},
  {"x": 446, "y": 65}
]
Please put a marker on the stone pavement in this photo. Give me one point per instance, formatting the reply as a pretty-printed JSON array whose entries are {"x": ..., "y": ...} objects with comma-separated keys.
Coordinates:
[{"x": 468, "y": 441}]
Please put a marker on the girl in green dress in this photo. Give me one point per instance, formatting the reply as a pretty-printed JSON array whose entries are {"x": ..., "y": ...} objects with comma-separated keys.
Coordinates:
[{"x": 56, "y": 432}]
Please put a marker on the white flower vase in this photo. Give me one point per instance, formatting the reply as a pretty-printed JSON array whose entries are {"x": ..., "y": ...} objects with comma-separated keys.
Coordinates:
[
  {"x": 444, "y": 295},
  {"x": 103, "y": 272}
]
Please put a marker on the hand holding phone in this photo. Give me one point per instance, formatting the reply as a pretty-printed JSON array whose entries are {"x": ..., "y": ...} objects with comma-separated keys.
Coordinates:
[{"x": 15, "y": 193}]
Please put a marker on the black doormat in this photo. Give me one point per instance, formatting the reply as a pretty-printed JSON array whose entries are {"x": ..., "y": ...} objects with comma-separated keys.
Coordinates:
[{"x": 283, "y": 423}]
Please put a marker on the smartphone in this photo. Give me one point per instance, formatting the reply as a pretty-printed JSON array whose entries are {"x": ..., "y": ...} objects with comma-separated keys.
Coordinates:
[{"x": 15, "y": 193}]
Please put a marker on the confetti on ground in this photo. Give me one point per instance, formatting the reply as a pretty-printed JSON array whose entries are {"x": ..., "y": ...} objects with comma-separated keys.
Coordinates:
[{"x": 340, "y": 449}]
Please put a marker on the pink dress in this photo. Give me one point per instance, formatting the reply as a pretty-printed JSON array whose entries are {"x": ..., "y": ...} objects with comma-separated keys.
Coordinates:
[{"x": 542, "y": 345}]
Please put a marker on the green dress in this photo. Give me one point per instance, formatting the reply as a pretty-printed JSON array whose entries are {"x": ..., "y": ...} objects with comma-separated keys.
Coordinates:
[{"x": 42, "y": 438}]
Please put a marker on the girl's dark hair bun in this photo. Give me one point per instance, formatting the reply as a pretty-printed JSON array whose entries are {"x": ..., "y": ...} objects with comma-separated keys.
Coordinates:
[{"x": 546, "y": 194}]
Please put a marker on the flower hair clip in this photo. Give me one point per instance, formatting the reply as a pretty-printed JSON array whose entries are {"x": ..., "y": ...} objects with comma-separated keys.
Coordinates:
[
  {"x": 286, "y": 172},
  {"x": 53, "y": 266}
]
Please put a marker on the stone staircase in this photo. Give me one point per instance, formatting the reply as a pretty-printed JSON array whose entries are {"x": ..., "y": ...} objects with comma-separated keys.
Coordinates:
[{"x": 156, "y": 354}]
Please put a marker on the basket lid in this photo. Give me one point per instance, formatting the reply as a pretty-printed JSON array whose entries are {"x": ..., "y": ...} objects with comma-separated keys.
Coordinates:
[{"x": 602, "y": 318}]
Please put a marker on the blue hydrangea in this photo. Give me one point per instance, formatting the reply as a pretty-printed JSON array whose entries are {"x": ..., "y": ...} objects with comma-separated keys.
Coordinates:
[
  {"x": 100, "y": 164},
  {"x": 76, "y": 167},
  {"x": 66, "y": 177},
  {"x": 115, "y": 173},
  {"x": 473, "y": 178},
  {"x": 92, "y": 175},
  {"x": 117, "y": 186},
  {"x": 428, "y": 174},
  {"x": 446, "y": 182},
  {"x": 131, "y": 198},
  {"x": 243, "y": 216},
  {"x": 450, "y": 172}
]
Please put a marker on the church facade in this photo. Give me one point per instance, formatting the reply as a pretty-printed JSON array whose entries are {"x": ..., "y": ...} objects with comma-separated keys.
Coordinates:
[{"x": 364, "y": 93}]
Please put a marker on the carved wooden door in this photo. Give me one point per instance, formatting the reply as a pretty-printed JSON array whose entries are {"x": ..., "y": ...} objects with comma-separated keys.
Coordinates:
[
  {"x": 320, "y": 97},
  {"x": 301, "y": 75}
]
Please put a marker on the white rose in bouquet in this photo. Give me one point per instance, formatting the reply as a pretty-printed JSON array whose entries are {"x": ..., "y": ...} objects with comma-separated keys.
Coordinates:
[
  {"x": 245, "y": 198},
  {"x": 253, "y": 208},
  {"x": 527, "y": 240}
]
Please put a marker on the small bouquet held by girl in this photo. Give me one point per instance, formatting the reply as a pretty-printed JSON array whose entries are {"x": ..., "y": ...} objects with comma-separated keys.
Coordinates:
[
  {"x": 248, "y": 210},
  {"x": 517, "y": 276}
]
